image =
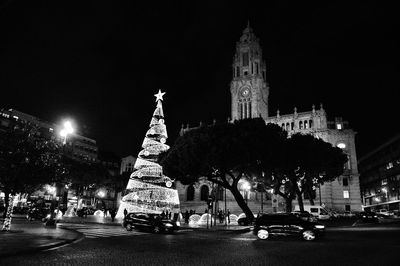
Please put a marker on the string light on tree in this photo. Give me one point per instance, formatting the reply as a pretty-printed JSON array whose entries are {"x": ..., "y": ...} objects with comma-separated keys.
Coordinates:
[{"x": 148, "y": 189}]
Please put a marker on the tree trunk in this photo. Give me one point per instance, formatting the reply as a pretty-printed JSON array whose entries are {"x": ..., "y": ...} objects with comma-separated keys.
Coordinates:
[
  {"x": 300, "y": 201},
  {"x": 240, "y": 201},
  {"x": 9, "y": 211},
  {"x": 310, "y": 195},
  {"x": 6, "y": 202},
  {"x": 288, "y": 204}
]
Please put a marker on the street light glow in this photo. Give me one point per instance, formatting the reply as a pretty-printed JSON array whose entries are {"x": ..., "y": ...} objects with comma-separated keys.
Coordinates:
[
  {"x": 246, "y": 186},
  {"x": 68, "y": 127}
]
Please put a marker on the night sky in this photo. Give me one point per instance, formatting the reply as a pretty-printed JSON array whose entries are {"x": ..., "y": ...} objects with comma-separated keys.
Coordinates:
[{"x": 101, "y": 62}]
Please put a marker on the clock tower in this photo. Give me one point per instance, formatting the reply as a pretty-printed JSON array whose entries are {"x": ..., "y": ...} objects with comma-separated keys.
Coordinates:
[{"x": 249, "y": 89}]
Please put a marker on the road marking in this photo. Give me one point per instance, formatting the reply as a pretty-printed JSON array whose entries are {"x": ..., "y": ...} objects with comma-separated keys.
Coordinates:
[
  {"x": 100, "y": 232},
  {"x": 243, "y": 239}
]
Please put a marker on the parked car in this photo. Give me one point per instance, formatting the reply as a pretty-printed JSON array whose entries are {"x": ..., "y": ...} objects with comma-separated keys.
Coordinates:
[
  {"x": 368, "y": 217},
  {"x": 384, "y": 212},
  {"x": 243, "y": 221},
  {"x": 149, "y": 221},
  {"x": 286, "y": 224},
  {"x": 37, "y": 214},
  {"x": 318, "y": 211},
  {"x": 305, "y": 215}
]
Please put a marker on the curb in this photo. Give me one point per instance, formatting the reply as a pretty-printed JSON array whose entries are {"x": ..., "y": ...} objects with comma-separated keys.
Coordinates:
[
  {"x": 47, "y": 247},
  {"x": 240, "y": 230}
]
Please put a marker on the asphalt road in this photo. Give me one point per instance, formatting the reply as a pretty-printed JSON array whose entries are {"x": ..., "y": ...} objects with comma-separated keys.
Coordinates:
[{"x": 341, "y": 246}]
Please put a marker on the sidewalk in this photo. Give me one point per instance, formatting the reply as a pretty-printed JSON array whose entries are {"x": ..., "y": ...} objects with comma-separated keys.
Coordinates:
[
  {"x": 27, "y": 237},
  {"x": 91, "y": 219}
]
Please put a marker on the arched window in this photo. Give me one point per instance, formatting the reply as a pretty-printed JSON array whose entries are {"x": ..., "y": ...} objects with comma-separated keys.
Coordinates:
[
  {"x": 283, "y": 125},
  {"x": 204, "y": 192},
  {"x": 300, "y": 124},
  {"x": 190, "y": 193},
  {"x": 305, "y": 124},
  {"x": 310, "y": 124},
  {"x": 292, "y": 125},
  {"x": 287, "y": 126},
  {"x": 220, "y": 193}
]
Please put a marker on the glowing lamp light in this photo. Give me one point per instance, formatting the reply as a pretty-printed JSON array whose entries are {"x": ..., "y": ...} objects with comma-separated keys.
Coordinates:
[
  {"x": 101, "y": 194},
  {"x": 168, "y": 184},
  {"x": 68, "y": 127},
  {"x": 246, "y": 186},
  {"x": 341, "y": 145},
  {"x": 377, "y": 199},
  {"x": 384, "y": 190}
]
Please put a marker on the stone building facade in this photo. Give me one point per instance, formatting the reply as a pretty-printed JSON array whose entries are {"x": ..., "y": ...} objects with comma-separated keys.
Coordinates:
[{"x": 249, "y": 99}]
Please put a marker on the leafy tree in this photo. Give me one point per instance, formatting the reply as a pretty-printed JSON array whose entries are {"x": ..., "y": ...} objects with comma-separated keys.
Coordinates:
[
  {"x": 85, "y": 176},
  {"x": 224, "y": 154},
  {"x": 28, "y": 160},
  {"x": 305, "y": 162}
]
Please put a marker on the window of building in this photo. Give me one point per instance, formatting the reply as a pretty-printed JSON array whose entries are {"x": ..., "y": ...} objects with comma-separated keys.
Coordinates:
[
  {"x": 346, "y": 194},
  {"x": 389, "y": 165},
  {"x": 310, "y": 124},
  {"x": 245, "y": 59},
  {"x": 204, "y": 192},
  {"x": 292, "y": 125},
  {"x": 339, "y": 126},
  {"x": 256, "y": 68},
  {"x": 249, "y": 116},
  {"x": 237, "y": 71},
  {"x": 300, "y": 124},
  {"x": 220, "y": 194},
  {"x": 345, "y": 181},
  {"x": 245, "y": 73},
  {"x": 306, "y": 124},
  {"x": 347, "y": 208},
  {"x": 190, "y": 193}
]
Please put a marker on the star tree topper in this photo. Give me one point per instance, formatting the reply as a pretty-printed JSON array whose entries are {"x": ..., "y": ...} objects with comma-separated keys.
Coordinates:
[{"x": 159, "y": 95}]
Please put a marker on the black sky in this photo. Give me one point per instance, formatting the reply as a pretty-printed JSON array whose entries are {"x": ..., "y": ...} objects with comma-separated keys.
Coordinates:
[{"x": 101, "y": 62}]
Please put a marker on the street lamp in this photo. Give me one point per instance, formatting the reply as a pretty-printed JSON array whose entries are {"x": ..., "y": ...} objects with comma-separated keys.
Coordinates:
[
  {"x": 384, "y": 190},
  {"x": 67, "y": 130},
  {"x": 246, "y": 188}
]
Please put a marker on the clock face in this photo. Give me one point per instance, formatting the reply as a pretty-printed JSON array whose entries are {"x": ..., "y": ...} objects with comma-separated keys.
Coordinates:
[{"x": 245, "y": 92}]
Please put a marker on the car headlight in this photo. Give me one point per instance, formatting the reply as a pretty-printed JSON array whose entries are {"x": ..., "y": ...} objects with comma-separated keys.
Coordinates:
[
  {"x": 320, "y": 226},
  {"x": 48, "y": 216},
  {"x": 178, "y": 223},
  {"x": 375, "y": 216},
  {"x": 168, "y": 225},
  {"x": 364, "y": 216}
]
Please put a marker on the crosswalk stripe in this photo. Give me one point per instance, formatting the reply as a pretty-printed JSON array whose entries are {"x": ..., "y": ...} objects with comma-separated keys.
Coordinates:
[{"x": 99, "y": 232}]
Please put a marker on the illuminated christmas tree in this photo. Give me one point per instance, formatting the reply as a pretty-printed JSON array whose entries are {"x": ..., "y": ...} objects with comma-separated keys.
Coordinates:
[{"x": 148, "y": 189}]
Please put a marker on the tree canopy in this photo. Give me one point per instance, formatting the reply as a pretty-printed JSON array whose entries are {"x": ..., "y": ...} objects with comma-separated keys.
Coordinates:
[
  {"x": 304, "y": 163},
  {"x": 224, "y": 154},
  {"x": 249, "y": 149}
]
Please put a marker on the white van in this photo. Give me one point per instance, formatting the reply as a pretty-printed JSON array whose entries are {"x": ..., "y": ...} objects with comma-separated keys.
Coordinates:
[{"x": 318, "y": 211}]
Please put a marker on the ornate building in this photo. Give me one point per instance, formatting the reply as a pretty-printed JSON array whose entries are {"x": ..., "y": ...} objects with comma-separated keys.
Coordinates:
[{"x": 249, "y": 94}]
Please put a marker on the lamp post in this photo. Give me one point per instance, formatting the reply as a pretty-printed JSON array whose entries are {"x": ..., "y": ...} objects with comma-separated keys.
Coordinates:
[{"x": 64, "y": 132}]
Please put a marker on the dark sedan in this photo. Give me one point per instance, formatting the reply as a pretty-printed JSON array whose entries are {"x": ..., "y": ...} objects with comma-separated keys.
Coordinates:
[
  {"x": 368, "y": 217},
  {"x": 37, "y": 213},
  {"x": 286, "y": 224},
  {"x": 151, "y": 222}
]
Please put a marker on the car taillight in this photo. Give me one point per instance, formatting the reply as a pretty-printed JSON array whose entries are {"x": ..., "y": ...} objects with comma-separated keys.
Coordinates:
[{"x": 320, "y": 226}]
